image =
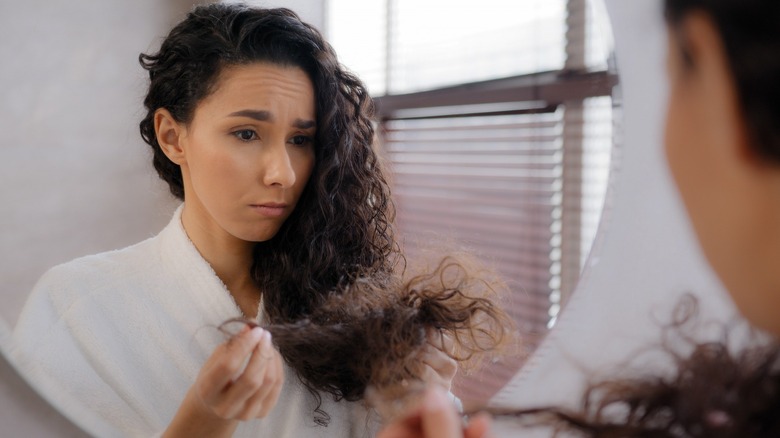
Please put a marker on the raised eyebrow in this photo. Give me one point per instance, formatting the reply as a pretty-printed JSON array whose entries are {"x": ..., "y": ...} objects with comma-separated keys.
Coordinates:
[
  {"x": 259, "y": 115},
  {"x": 304, "y": 124},
  {"x": 265, "y": 116}
]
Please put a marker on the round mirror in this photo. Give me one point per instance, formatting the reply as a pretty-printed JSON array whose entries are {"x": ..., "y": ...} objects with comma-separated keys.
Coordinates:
[{"x": 500, "y": 135}]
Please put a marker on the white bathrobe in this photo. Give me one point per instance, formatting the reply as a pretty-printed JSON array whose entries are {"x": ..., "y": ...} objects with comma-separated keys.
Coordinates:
[{"x": 126, "y": 332}]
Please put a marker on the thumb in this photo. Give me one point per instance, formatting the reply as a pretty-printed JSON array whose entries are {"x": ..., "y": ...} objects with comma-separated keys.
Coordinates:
[
  {"x": 438, "y": 415},
  {"x": 479, "y": 426}
]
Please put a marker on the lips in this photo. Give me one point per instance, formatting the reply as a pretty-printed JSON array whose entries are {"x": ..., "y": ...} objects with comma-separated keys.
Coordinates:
[
  {"x": 270, "y": 209},
  {"x": 271, "y": 205}
]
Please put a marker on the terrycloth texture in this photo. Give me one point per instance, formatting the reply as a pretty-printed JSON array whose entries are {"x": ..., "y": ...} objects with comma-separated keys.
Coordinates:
[{"x": 126, "y": 333}]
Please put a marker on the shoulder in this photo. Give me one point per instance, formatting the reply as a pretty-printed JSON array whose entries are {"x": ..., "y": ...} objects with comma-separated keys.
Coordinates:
[
  {"x": 90, "y": 274},
  {"x": 69, "y": 287},
  {"x": 73, "y": 332}
]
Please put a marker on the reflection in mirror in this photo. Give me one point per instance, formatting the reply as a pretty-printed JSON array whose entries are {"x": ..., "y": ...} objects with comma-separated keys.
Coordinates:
[
  {"x": 499, "y": 133},
  {"x": 499, "y": 137}
]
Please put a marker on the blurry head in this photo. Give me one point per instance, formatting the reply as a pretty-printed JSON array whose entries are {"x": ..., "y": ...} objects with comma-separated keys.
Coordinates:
[{"x": 723, "y": 141}]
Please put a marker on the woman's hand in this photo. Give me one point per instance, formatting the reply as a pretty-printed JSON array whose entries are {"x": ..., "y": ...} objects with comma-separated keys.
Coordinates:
[
  {"x": 241, "y": 380},
  {"x": 440, "y": 368},
  {"x": 434, "y": 416},
  {"x": 243, "y": 377}
]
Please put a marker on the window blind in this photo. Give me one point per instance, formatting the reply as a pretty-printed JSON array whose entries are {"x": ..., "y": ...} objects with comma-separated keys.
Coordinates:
[
  {"x": 453, "y": 176},
  {"x": 492, "y": 183},
  {"x": 497, "y": 120}
]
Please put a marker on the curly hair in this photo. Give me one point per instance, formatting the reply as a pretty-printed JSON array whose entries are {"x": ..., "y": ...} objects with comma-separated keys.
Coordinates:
[
  {"x": 331, "y": 276},
  {"x": 748, "y": 29},
  {"x": 341, "y": 227},
  {"x": 382, "y": 325},
  {"x": 714, "y": 391}
]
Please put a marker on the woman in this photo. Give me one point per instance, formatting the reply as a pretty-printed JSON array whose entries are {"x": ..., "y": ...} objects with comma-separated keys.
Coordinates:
[
  {"x": 268, "y": 141},
  {"x": 723, "y": 147}
]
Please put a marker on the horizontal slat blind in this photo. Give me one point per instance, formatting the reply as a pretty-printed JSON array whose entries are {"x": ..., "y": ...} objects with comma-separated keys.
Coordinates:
[{"x": 491, "y": 183}]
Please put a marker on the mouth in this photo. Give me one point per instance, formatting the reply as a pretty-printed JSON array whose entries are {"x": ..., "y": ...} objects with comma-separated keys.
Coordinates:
[{"x": 270, "y": 209}]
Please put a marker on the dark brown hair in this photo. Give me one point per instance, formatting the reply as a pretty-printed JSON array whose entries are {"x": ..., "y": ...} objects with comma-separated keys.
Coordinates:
[
  {"x": 372, "y": 331},
  {"x": 715, "y": 390},
  {"x": 330, "y": 278}
]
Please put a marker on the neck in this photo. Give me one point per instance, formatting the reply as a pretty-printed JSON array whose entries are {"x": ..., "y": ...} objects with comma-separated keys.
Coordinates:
[{"x": 229, "y": 257}]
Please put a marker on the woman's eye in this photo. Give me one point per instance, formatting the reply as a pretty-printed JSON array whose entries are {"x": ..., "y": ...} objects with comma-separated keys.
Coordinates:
[
  {"x": 300, "y": 140},
  {"x": 245, "y": 134}
]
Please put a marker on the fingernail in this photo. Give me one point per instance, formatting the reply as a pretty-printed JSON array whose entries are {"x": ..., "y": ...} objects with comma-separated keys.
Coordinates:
[{"x": 256, "y": 333}]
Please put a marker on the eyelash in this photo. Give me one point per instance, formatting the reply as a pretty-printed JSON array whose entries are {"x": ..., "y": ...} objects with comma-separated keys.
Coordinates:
[
  {"x": 238, "y": 135},
  {"x": 303, "y": 139}
]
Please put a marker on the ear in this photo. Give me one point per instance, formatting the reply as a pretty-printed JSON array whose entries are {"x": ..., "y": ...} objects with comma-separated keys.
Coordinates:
[
  {"x": 710, "y": 64},
  {"x": 170, "y": 135}
]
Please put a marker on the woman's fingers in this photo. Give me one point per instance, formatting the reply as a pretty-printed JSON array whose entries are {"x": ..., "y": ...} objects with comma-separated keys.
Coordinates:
[
  {"x": 277, "y": 387},
  {"x": 441, "y": 368},
  {"x": 441, "y": 340},
  {"x": 479, "y": 426},
  {"x": 439, "y": 361},
  {"x": 407, "y": 427},
  {"x": 276, "y": 371},
  {"x": 439, "y": 418},
  {"x": 253, "y": 382},
  {"x": 433, "y": 417},
  {"x": 259, "y": 386},
  {"x": 226, "y": 363},
  {"x": 243, "y": 377}
]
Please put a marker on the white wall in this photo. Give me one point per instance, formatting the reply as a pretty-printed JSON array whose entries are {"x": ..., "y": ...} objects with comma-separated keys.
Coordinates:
[
  {"x": 310, "y": 11},
  {"x": 75, "y": 176}
]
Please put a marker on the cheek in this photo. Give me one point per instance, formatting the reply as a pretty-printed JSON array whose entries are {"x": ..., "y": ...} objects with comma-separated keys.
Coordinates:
[
  {"x": 225, "y": 166},
  {"x": 703, "y": 178},
  {"x": 216, "y": 170},
  {"x": 691, "y": 166},
  {"x": 677, "y": 145}
]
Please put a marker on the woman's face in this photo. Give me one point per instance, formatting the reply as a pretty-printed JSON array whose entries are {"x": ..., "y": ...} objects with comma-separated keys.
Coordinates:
[
  {"x": 248, "y": 152},
  {"x": 728, "y": 191}
]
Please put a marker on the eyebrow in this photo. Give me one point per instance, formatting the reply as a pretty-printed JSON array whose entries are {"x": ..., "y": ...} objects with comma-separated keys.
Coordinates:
[{"x": 265, "y": 116}]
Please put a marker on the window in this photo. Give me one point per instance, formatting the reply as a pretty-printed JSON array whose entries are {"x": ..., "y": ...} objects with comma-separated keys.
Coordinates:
[{"x": 497, "y": 119}]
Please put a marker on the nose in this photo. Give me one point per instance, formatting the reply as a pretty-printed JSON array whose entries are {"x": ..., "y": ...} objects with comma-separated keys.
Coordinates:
[{"x": 278, "y": 166}]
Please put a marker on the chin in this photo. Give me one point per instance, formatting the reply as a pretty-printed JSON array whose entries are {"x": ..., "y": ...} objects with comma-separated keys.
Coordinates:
[{"x": 259, "y": 236}]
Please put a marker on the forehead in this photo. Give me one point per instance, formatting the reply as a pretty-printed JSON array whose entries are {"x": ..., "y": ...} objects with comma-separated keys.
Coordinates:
[{"x": 260, "y": 84}]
